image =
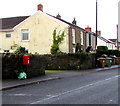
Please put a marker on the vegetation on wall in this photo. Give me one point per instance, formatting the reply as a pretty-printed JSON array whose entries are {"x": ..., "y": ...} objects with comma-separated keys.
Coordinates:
[
  {"x": 20, "y": 50},
  {"x": 57, "y": 40}
]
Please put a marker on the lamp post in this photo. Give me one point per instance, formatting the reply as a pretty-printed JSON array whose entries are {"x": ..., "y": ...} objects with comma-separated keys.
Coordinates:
[{"x": 96, "y": 24}]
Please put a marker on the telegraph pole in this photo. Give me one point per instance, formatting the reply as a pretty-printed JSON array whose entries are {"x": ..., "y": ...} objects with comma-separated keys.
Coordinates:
[
  {"x": 117, "y": 37},
  {"x": 96, "y": 23},
  {"x": 96, "y": 37}
]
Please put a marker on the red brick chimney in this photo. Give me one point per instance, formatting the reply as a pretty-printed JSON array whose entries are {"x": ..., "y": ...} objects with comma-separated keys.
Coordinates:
[
  {"x": 40, "y": 7},
  {"x": 88, "y": 29}
]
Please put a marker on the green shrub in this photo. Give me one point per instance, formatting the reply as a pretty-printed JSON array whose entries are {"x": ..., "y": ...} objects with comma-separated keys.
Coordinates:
[
  {"x": 57, "y": 40},
  {"x": 20, "y": 50},
  {"x": 102, "y": 48},
  {"x": 109, "y": 52},
  {"x": 55, "y": 49}
]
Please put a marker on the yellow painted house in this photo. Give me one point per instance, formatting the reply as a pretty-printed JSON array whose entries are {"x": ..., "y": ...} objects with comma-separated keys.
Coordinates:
[{"x": 35, "y": 33}]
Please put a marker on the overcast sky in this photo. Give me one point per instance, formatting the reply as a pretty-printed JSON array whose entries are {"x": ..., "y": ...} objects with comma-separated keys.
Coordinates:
[{"x": 83, "y": 10}]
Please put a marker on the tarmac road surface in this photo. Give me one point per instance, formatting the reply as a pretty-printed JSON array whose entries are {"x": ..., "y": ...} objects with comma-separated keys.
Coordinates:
[{"x": 93, "y": 88}]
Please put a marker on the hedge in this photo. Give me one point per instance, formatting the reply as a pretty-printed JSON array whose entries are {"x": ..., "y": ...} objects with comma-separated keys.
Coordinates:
[
  {"x": 109, "y": 52},
  {"x": 102, "y": 48}
]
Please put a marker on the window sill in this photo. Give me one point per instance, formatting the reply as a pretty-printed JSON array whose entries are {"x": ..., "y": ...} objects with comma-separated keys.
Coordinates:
[
  {"x": 25, "y": 40},
  {"x": 73, "y": 43},
  {"x": 8, "y": 37}
]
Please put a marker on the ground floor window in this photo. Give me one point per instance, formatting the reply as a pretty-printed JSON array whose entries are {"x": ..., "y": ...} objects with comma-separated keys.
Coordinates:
[
  {"x": 8, "y": 35},
  {"x": 73, "y": 50}
]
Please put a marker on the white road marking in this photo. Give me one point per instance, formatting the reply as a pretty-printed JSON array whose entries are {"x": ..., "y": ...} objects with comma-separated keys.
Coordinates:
[
  {"x": 54, "y": 96},
  {"x": 111, "y": 100},
  {"x": 19, "y": 94},
  {"x": 50, "y": 95}
]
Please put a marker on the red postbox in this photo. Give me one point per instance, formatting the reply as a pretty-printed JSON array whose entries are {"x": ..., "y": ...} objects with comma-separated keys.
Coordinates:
[{"x": 26, "y": 60}]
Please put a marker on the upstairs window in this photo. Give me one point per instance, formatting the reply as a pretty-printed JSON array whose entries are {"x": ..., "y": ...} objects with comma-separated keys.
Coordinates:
[
  {"x": 81, "y": 36},
  {"x": 89, "y": 39},
  {"x": 73, "y": 36},
  {"x": 8, "y": 35},
  {"x": 25, "y": 35}
]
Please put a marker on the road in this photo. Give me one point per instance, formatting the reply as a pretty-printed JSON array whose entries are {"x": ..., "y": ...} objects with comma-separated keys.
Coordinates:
[{"x": 93, "y": 88}]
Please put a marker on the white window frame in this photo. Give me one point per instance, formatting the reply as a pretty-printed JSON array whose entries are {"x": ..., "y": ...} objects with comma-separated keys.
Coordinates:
[
  {"x": 73, "y": 50},
  {"x": 81, "y": 35},
  {"x": 87, "y": 40},
  {"x": 73, "y": 36},
  {"x": 23, "y": 32},
  {"x": 8, "y": 35}
]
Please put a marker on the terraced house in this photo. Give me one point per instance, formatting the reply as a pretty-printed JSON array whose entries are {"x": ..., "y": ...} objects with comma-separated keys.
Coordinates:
[{"x": 35, "y": 33}]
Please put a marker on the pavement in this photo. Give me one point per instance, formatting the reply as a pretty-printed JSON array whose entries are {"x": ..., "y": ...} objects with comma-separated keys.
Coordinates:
[{"x": 14, "y": 83}]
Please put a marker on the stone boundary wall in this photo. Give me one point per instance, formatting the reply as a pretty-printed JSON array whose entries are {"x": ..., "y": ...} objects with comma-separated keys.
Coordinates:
[{"x": 12, "y": 64}]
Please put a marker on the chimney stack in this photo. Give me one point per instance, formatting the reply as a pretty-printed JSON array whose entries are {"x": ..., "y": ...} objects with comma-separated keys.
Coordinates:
[
  {"x": 58, "y": 16},
  {"x": 40, "y": 7},
  {"x": 98, "y": 32},
  {"x": 88, "y": 29},
  {"x": 74, "y": 21}
]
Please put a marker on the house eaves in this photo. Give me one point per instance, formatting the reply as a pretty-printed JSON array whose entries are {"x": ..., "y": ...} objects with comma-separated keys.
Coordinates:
[
  {"x": 113, "y": 40},
  {"x": 70, "y": 24},
  {"x": 100, "y": 37},
  {"x": 73, "y": 25}
]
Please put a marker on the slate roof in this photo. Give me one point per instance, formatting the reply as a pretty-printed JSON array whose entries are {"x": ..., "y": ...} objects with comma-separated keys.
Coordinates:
[
  {"x": 114, "y": 40},
  {"x": 66, "y": 22},
  {"x": 9, "y": 23}
]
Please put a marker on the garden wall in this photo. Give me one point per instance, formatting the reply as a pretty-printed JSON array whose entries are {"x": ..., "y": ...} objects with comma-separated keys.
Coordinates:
[
  {"x": 12, "y": 66},
  {"x": 70, "y": 61}
]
